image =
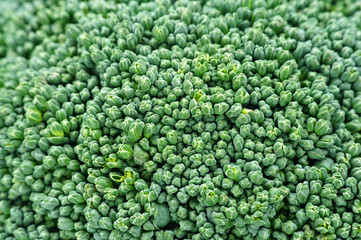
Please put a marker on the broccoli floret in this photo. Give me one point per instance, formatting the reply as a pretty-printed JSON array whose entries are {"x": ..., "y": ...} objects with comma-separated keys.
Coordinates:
[{"x": 184, "y": 119}]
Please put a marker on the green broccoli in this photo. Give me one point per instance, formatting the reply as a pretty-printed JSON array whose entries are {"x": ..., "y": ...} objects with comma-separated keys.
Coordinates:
[{"x": 180, "y": 119}]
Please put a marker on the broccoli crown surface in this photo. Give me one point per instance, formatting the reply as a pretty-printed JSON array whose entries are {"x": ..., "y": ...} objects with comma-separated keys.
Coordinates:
[{"x": 219, "y": 119}]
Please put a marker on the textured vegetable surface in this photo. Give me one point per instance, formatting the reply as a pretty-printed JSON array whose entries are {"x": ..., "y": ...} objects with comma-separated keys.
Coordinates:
[{"x": 219, "y": 119}]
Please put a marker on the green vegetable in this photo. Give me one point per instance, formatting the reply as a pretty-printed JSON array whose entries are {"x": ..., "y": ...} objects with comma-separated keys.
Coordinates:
[{"x": 187, "y": 119}]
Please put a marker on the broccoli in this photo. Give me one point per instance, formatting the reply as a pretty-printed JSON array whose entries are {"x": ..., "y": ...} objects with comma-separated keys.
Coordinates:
[{"x": 180, "y": 119}]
